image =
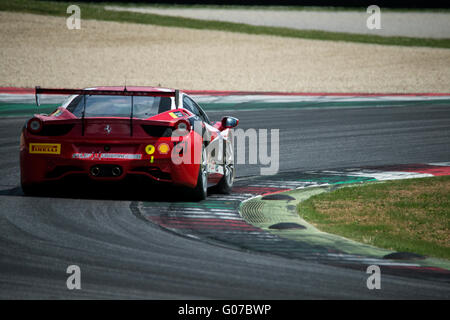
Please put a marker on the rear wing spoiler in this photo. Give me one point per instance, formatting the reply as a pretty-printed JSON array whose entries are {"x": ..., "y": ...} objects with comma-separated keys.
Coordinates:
[
  {"x": 84, "y": 92},
  {"x": 125, "y": 92}
]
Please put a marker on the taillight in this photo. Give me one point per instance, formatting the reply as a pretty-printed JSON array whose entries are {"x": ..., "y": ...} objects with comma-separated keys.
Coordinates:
[
  {"x": 35, "y": 125},
  {"x": 183, "y": 125}
]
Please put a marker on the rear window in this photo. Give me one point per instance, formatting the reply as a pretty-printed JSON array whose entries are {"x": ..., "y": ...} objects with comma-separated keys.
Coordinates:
[{"x": 119, "y": 106}]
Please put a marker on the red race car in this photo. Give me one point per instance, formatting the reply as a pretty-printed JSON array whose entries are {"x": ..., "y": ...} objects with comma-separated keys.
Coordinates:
[{"x": 110, "y": 133}]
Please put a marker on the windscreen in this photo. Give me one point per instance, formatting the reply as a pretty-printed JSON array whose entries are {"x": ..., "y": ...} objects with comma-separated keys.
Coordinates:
[{"x": 119, "y": 106}]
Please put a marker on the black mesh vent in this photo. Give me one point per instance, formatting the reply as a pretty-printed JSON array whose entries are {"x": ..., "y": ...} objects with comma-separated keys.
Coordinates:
[
  {"x": 157, "y": 131},
  {"x": 56, "y": 129}
]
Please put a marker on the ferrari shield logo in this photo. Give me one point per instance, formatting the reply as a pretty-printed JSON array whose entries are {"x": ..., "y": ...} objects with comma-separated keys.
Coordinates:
[{"x": 107, "y": 129}]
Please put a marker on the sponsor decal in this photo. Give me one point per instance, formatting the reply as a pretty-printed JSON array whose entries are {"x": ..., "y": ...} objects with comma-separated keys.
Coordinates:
[
  {"x": 217, "y": 169},
  {"x": 163, "y": 148},
  {"x": 149, "y": 149},
  {"x": 106, "y": 156},
  {"x": 45, "y": 148},
  {"x": 176, "y": 114},
  {"x": 57, "y": 113}
]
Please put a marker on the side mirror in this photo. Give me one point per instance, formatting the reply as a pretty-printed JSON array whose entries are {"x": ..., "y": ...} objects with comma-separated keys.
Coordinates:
[{"x": 229, "y": 122}]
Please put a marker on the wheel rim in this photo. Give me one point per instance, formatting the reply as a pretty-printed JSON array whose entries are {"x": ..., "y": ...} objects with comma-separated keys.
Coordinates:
[
  {"x": 204, "y": 170},
  {"x": 229, "y": 169}
]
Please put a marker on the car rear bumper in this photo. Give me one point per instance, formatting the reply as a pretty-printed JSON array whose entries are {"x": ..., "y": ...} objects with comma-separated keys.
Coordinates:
[{"x": 45, "y": 160}]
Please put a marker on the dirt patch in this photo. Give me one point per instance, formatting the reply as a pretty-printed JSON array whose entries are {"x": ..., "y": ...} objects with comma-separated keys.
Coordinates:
[{"x": 40, "y": 50}]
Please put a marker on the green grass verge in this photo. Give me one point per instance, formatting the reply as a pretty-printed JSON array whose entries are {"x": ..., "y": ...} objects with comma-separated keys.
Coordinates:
[
  {"x": 405, "y": 215},
  {"x": 97, "y": 12}
]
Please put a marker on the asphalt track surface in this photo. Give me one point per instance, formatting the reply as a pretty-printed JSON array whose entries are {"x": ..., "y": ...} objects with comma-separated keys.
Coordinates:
[
  {"x": 406, "y": 24},
  {"x": 123, "y": 256}
]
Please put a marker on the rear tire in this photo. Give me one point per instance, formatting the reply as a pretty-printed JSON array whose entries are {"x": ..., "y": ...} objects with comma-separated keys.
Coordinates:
[
  {"x": 226, "y": 183},
  {"x": 200, "y": 192}
]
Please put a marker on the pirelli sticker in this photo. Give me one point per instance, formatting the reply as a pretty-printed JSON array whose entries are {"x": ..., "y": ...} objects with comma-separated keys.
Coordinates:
[{"x": 45, "y": 148}]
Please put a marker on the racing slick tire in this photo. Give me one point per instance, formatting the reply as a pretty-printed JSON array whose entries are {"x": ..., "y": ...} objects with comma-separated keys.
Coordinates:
[
  {"x": 200, "y": 191},
  {"x": 226, "y": 183}
]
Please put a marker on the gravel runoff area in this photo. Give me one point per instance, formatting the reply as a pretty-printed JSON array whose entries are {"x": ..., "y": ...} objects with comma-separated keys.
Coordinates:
[
  {"x": 407, "y": 24},
  {"x": 40, "y": 50}
]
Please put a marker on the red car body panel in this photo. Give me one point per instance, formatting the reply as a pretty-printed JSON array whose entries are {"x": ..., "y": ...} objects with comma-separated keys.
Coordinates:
[{"x": 108, "y": 142}]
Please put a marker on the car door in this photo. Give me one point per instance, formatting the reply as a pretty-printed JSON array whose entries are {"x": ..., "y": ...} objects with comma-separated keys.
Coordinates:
[{"x": 215, "y": 143}]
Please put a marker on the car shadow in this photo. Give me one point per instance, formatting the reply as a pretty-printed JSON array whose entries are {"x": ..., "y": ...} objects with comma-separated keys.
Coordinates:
[{"x": 126, "y": 190}]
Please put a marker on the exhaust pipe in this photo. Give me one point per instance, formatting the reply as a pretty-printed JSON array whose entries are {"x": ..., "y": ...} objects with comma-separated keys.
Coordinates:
[
  {"x": 95, "y": 171},
  {"x": 116, "y": 171}
]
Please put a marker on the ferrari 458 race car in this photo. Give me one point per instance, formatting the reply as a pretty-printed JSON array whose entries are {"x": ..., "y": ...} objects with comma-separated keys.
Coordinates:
[{"x": 110, "y": 133}]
